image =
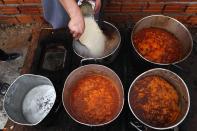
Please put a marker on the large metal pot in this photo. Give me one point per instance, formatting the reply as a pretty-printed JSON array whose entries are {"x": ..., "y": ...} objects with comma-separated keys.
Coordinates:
[
  {"x": 171, "y": 25},
  {"x": 29, "y": 99},
  {"x": 111, "y": 32},
  {"x": 180, "y": 87},
  {"x": 88, "y": 70}
]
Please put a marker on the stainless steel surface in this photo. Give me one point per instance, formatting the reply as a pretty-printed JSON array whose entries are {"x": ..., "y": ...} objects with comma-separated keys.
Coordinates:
[
  {"x": 80, "y": 73},
  {"x": 181, "y": 88},
  {"x": 170, "y": 24},
  {"x": 27, "y": 102},
  {"x": 109, "y": 56}
]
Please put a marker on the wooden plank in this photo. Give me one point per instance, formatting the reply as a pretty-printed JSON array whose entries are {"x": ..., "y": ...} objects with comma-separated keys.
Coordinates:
[{"x": 31, "y": 51}]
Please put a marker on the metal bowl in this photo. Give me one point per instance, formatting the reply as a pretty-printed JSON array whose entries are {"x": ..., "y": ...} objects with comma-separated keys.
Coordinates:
[
  {"x": 169, "y": 24},
  {"x": 79, "y": 73},
  {"x": 29, "y": 99},
  {"x": 180, "y": 87}
]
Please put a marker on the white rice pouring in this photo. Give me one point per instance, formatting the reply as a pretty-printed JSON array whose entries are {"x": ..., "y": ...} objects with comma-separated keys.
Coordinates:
[{"x": 93, "y": 38}]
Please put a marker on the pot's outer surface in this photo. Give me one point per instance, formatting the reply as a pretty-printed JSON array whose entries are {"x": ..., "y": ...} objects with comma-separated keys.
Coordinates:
[
  {"x": 80, "y": 73},
  {"x": 181, "y": 88},
  {"x": 171, "y": 25},
  {"x": 108, "y": 58}
]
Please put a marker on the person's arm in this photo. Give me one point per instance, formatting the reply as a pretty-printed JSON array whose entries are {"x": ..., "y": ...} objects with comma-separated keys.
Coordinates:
[
  {"x": 76, "y": 23},
  {"x": 97, "y": 6}
]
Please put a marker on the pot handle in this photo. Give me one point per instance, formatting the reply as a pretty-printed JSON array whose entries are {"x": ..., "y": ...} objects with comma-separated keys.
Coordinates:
[
  {"x": 3, "y": 88},
  {"x": 86, "y": 61},
  {"x": 179, "y": 68},
  {"x": 58, "y": 107},
  {"x": 138, "y": 126}
]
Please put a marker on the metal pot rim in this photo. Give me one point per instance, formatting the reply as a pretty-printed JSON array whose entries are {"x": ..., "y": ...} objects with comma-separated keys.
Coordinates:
[
  {"x": 93, "y": 125},
  {"x": 109, "y": 53},
  {"x": 176, "y": 62},
  {"x": 9, "y": 89},
  {"x": 159, "y": 128}
]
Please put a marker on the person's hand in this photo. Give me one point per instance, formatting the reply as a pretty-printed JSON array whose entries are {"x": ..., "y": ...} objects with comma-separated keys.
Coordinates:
[
  {"x": 97, "y": 6},
  {"x": 76, "y": 25}
]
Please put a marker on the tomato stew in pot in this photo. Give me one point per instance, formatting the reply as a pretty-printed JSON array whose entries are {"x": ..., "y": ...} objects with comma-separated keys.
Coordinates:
[
  {"x": 158, "y": 45},
  {"x": 94, "y": 99}
]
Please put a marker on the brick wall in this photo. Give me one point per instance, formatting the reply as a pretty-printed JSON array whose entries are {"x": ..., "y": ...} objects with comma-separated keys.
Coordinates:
[
  {"x": 116, "y": 11},
  {"x": 20, "y": 11},
  {"x": 130, "y": 11}
]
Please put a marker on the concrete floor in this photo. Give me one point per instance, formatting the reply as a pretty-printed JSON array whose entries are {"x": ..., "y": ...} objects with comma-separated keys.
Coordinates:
[{"x": 12, "y": 39}]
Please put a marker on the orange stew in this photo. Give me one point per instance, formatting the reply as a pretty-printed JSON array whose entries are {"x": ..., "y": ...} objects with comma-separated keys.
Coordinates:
[
  {"x": 95, "y": 99},
  {"x": 155, "y": 101},
  {"x": 158, "y": 45}
]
